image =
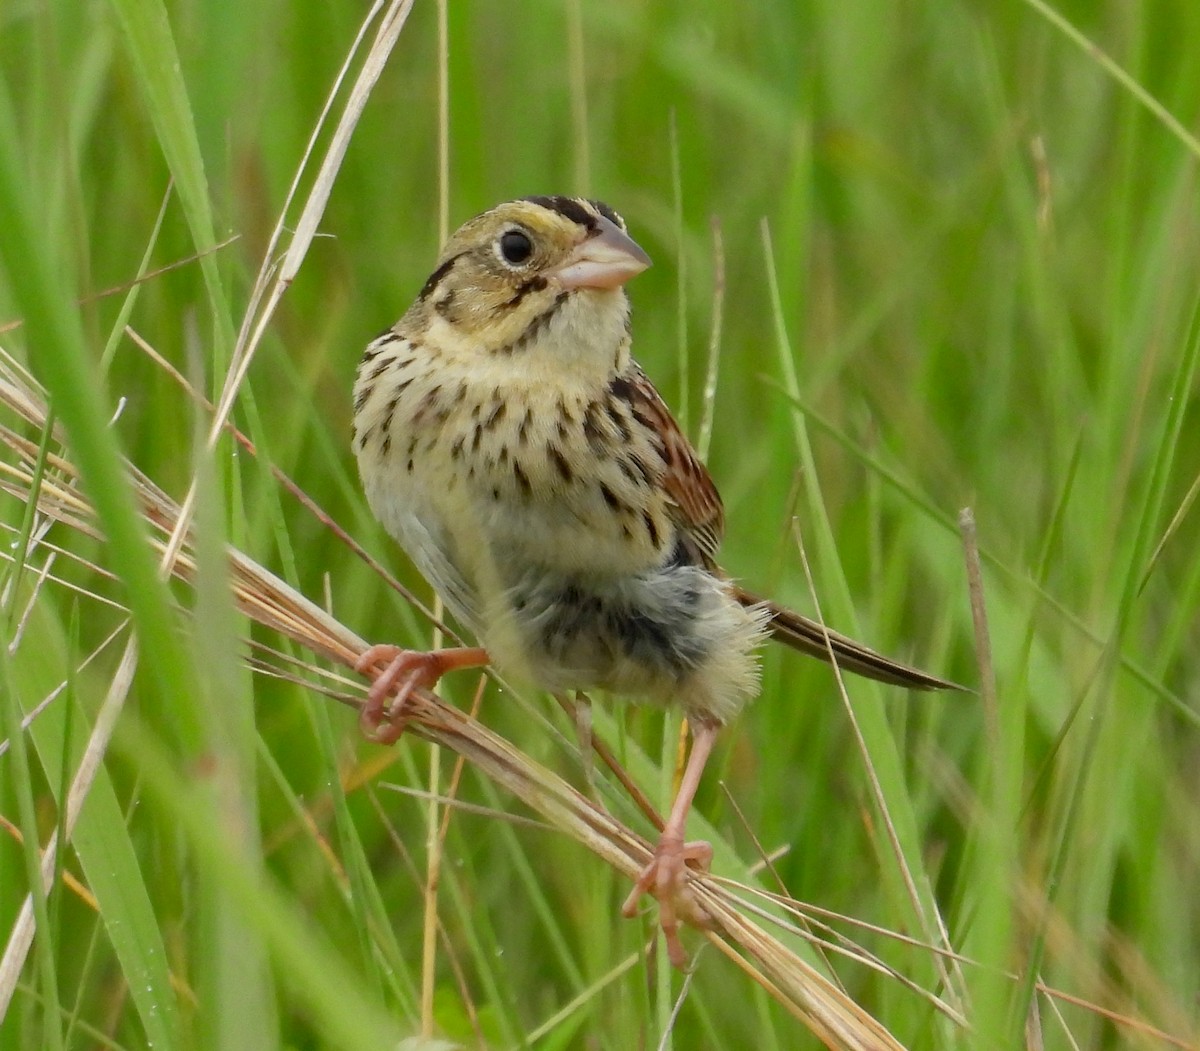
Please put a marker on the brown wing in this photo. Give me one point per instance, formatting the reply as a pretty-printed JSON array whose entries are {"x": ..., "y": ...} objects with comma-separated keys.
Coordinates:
[
  {"x": 700, "y": 517},
  {"x": 808, "y": 636},
  {"x": 696, "y": 508}
]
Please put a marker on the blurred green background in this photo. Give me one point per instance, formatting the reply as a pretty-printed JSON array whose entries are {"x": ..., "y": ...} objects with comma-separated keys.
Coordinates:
[{"x": 960, "y": 250}]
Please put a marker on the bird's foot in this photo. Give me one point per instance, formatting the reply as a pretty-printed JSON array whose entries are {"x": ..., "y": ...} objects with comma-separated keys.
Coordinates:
[
  {"x": 666, "y": 878},
  {"x": 397, "y": 673}
]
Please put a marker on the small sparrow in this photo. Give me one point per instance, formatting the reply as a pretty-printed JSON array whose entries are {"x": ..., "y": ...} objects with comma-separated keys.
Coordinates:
[{"x": 509, "y": 441}]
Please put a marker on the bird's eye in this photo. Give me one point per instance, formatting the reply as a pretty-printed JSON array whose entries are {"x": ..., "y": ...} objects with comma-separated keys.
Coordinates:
[{"x": 515, "y": 246}]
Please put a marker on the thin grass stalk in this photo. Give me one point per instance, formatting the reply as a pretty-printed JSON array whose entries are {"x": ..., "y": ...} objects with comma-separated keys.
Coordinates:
[
  {"x": 269, "y": 601},
  {"x": 732, "y": 919}
]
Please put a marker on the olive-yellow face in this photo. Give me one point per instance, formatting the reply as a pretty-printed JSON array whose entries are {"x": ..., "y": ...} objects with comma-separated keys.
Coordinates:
[{"x": 511, "y": 267}]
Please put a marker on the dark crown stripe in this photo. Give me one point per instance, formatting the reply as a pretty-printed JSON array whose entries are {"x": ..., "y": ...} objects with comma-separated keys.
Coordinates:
[
  {"x": 570, "y": 207},
  {"x": 607, "y": 212}
]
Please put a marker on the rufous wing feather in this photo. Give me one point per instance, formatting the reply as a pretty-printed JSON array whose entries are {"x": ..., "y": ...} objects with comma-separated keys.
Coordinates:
[{"x": 695, "y": 502}]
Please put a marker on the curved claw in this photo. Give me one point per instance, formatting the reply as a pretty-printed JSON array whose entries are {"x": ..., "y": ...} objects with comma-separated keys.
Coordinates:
[
  {"x": 401, "y": 671},
  {"x": 665, "y": 878}
]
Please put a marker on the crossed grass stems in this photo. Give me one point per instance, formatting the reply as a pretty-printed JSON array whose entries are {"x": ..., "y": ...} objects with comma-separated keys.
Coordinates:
[{"x": 739, "y": 913}]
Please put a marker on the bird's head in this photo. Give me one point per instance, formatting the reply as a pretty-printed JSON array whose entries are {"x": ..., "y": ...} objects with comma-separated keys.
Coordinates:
[{"x": 539, "y": 272}]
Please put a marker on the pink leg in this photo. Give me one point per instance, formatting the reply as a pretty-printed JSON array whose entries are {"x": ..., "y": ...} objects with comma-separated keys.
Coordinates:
[
  {"x": 666, "y": 875},
  {"x": 404, "y": 671}
]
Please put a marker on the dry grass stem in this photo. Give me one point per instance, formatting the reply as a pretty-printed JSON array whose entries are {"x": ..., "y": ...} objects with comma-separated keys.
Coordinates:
[
  {"x": 735, "y": 923},
  {"x": 267, "y": 600}
]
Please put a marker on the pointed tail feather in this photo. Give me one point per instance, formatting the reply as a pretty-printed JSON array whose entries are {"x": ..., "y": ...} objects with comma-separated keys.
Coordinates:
[{"x": 808, "y": 636}]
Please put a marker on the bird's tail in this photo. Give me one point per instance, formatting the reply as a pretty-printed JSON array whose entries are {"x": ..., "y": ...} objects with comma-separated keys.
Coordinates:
[{"x": 808, "y": 636}]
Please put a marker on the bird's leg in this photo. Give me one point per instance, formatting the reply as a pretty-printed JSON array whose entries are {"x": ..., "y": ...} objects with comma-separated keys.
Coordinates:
[
  {"x": 579, "y": 709},
  {"x": 583, "y": 727},
  {"x": 666, "y": 875},
  {"x": 404, "y": 671}
]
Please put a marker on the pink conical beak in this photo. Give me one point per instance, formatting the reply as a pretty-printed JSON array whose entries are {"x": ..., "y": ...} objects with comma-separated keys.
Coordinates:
[{"x": 607, "y": 259}]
